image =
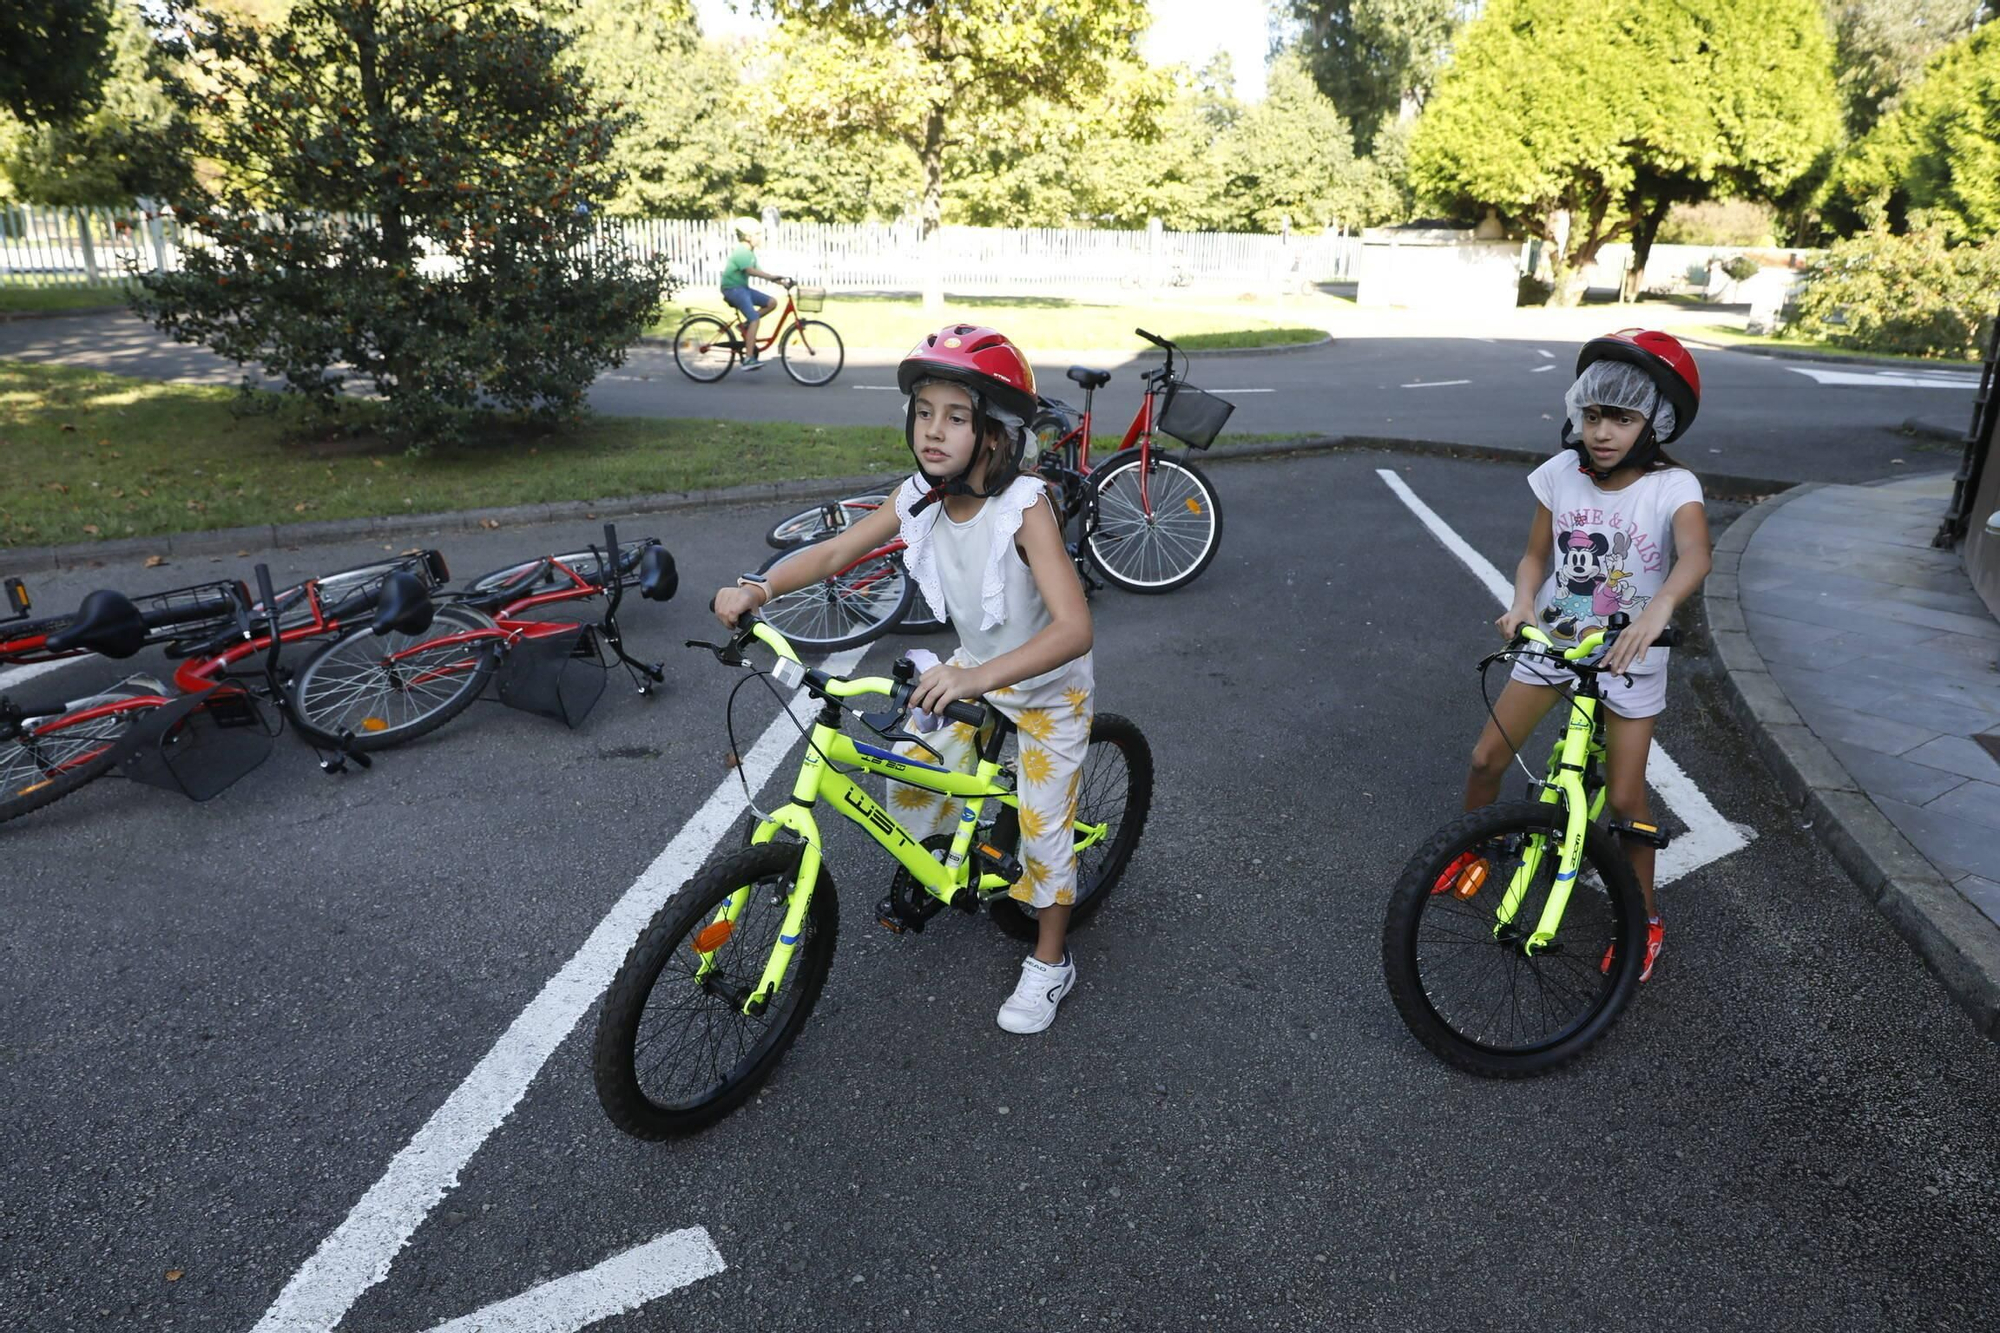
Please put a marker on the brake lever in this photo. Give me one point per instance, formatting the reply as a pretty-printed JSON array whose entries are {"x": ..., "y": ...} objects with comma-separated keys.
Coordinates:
[{"x": 725, "y": 653}]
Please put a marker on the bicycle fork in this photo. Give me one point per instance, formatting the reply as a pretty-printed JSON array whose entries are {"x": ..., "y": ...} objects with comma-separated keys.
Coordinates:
[{"x": 1563, "y": 787}]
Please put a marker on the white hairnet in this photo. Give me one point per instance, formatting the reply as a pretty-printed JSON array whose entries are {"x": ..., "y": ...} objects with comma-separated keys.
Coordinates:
[{"x": 1619, "y": 384}]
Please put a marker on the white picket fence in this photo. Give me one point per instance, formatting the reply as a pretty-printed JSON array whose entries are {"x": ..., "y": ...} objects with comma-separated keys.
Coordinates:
[{"x": 97, "y": 247}]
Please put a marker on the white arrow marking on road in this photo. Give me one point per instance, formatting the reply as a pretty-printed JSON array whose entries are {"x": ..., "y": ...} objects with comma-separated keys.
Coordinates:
[
  {"x": 359, "y": 1252},
  {"x": 1709, "y": 836},
  {"x": 1434, "y": 384},
  {"x": 878, "y": 388},
  {"x": 1892, "y": 379},
  {"x": 1541, "y": 351},
  {"x": 1540, "y": 370},
  {"x": 621, "y": 1283}
]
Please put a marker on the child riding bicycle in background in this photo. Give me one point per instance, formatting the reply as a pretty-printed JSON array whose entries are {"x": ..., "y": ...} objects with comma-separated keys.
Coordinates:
[
  {"x": 736, "y": 289},
  {"x": 1619, "y": 527},
  {"x": 984, "y": 546}
]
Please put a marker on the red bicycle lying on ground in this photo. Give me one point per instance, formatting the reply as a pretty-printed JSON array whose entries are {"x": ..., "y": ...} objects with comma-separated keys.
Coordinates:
[{"x": 1147, "y": 522}]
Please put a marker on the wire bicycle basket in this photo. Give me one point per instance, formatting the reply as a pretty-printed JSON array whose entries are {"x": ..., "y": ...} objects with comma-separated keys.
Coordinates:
[{"x": 809, "y": 300}]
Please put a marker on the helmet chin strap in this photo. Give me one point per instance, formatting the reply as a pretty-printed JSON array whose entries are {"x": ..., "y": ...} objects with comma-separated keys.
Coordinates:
[
  {"x": 1640, "y": 455},
  {"x": 957, "y": 485}
]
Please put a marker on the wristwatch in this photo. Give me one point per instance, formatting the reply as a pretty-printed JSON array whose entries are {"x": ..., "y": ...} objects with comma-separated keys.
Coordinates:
[{"x": 761, "y": 582}]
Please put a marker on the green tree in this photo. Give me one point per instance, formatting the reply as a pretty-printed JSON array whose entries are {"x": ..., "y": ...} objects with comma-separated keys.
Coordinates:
[
  {"x": 429, "y": 167},
  {"x": 1935, "y": 159},
  {"x": 1655, "y": 104},
  {"x": 934, "y": 76},
  {"x": 1291, "y": 156},
  {"x": 1376, "y": 57},
  {"x": 52, "y": 56},
  {"x": 1882, "y": 46},
  {"x": 123, "y": 147}
]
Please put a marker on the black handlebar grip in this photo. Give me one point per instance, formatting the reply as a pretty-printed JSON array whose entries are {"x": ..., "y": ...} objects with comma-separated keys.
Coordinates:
[
  {"x": 270, "y": 599},
  {"x": 1667, "y": 638},
  {"x": 964, "y": 710},
  {"x": 1152, "y": 338}
]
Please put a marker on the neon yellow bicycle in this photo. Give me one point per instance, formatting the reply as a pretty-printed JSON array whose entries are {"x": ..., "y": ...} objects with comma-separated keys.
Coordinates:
[
  {"x": 725, "y": 975},
  {"x": 1515, "y": 933}
]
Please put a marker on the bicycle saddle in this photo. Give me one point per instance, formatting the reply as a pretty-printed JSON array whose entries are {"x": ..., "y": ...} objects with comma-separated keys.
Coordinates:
[
  {"x": 108, "y": 623},
  {"x": 404, "y": 606},
  {"x": 658, "y": 579},
  {"x": 1088, "y": 378}
]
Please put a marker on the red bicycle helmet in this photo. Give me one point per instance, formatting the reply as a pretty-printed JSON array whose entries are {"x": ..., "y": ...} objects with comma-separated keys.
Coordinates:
[
  {"x": 1668, "y": 364},
  {"x": 993, "y": 371}
]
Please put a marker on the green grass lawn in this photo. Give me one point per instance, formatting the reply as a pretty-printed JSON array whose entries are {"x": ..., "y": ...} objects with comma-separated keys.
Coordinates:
[
  {"x": 1736, "y": 337},
  {"x": 20, "y": 299},
  {"x": 90, "y": 456},
  {"x": 1033, "y": 322}
]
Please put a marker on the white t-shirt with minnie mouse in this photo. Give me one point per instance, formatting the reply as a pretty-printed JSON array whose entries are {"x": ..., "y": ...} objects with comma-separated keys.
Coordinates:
[{"x": 1613, "y": 549}]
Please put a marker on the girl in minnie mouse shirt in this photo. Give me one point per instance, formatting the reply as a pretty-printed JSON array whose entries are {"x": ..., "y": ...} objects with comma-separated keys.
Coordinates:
[{"x": 1619, "y": 527}]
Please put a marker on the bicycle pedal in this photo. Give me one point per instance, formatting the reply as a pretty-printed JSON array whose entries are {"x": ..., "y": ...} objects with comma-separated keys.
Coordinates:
[
  {"x": 1001, "y": 863},
  {"x": 1650, "y": 834},
  {"x": 899, "y": 918}
]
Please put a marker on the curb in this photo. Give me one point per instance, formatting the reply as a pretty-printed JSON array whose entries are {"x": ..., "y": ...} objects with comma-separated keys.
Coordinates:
[
  {"x": 16, "y": 316},
  {"x": 1840, "y": 359},
  {"x": 1049, "y": 355},
  {"x": 1931, "y": 430},
  {"x": 278, "y": 536},
  {"x": 1955, "y": 940}
]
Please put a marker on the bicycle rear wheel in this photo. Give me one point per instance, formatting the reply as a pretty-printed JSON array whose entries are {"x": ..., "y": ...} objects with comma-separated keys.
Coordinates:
[
  {"x": 1463, "y": 980},
  {"x": 705, "y": 349},
  {"x": 809, "y": 525},
  {"x": 1115, "y": 787},
  {"x": 811, "y": 352},
  {"x": 674, "y": 1051},
  {"x": 1159, "y": 540},
  {"x": 54, "y": 758},
  {"x": 385, "y": 689},
  {"x": 856, "y": 606}
]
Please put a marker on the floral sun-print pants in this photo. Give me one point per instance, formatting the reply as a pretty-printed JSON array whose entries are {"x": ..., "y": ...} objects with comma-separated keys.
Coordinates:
[{"x": 1053, "y": 719}]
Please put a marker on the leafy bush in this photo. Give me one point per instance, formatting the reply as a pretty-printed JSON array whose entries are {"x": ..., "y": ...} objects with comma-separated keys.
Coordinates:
[
  {"x": 1911, "y": 295},
  {"x": 1719, "y": 222},
  {"x": 1742, "y": 268},
  {"x": 1532, "y": 291}
]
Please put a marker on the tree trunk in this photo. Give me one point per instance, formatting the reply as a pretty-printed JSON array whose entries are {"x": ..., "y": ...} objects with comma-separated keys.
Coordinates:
[
  {"x": 1642, "y": 247},
  {"x": 932, "y": 157}
]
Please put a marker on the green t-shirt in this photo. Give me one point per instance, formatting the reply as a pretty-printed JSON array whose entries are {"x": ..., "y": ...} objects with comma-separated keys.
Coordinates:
[{"x": 736, "y": 273}]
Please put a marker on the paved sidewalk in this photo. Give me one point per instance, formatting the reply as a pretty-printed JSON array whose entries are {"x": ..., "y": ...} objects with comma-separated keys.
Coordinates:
[{"x": 1870, "y": 672}]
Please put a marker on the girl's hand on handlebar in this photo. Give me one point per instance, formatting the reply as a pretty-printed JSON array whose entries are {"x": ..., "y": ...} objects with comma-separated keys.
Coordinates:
[
  {"x": 944, "y": 684},
  {"x": 1629, "y": 649},
  {"x": 1511, "y": 620},
  {"x": 733, "y": 602}
]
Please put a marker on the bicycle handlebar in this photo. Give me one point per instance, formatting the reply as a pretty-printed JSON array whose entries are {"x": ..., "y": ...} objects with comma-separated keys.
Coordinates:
[
  {"x": 1574, "y": 658},
  {"x": 749, "y": 628}
]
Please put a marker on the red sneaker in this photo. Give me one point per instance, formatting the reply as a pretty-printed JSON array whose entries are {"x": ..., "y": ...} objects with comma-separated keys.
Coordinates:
[{"x": 1656, "y": 939}]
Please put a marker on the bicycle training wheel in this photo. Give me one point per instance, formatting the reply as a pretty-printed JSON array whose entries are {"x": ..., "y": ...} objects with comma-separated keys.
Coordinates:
[
  {"x": 1463, "y": 979},
  {"x": 856, "y": 606},
  {"x": 1115, "y": 787},
  {"x": 52, "y": 759},
  {"x": 704, "y": 348},
  {"x": 809, "y": 525},
  {"x": 385, "y": 689},
  {"x": 811, "y": 352},
  {"x": 1159, "y": 540},
  {"x": 674, "y": 1051}
]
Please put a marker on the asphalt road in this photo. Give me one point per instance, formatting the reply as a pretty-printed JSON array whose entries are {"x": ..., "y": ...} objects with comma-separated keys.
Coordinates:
[
  {"x": 1761, "y": 417},
  {"x": 224, "y": 1021}
]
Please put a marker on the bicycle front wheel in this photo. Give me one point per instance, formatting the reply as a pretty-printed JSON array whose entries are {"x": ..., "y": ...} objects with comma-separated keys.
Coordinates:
[
  {"x": 811, "y": 352},
  {"x": 704, "y": 348},
  {"x": 383, "y": 689},
  {"x": 1153, "y": 530},
  {"x": 1456, "y": 954},
  {"x": 674, "y": 1051},
  {"x": 1114, "y": 787},
  {"x": 53, "y": 758},
  {"x": 856, "y": 606},
  {"x": 809, "y": 525}
]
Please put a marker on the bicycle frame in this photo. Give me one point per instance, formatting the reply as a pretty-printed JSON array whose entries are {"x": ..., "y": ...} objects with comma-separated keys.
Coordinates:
[{"x": 819, "y": 778}]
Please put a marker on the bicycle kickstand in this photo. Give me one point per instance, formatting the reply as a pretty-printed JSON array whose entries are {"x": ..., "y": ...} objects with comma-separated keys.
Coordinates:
[{"x": 343, "y": 751}]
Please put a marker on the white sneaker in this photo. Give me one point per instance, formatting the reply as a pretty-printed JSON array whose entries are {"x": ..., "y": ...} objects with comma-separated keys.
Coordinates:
[{"x": 1032, "y": 1006}]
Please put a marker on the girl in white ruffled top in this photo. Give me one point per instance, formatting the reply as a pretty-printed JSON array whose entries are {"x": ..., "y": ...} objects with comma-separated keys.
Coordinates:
[{"x": 985, "y": 548}]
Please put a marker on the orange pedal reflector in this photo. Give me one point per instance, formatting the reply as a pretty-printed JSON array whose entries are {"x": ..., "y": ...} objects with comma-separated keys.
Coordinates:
[
  {"x": 373, "y": 724},
  {"x": 34, "y": 787},
  {"x": 1470, "y": 880},
  {"x": 713, "y": 936},
  {"x": 1194, "y": 505}
]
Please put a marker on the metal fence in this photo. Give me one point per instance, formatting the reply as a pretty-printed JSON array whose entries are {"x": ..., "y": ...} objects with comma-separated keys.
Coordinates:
[{"x": 98, "y": 247}]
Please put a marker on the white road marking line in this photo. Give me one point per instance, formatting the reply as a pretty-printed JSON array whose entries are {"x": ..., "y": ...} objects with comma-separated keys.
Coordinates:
[
  {"x": 1543, "y": 351},
  {"x": 1892, "y": 379},
  {"x": 1434, "y": 384},
  {"x": 877, "y": 388},
  {"x": 15, "y": 675},
  {"x": 1709, "y": 836},
  {"x": 358, "y": 1253},
  {"x": 1540, "y": 370},
  {"x": 621, "y": 1283},
  {"x": 1240, "y": 390}
]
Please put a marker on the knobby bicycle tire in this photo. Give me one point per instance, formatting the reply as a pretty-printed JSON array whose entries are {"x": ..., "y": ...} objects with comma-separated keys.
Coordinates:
[
  {"x": 1530, "y": 1013},
  {"x": 1115, "y": 785},
  {"x": 857, "y": 606},
  {"x": 1154, "y": 553},
  {"x": 719, "y": 1055},
  {"x": 348, "y": 686},
  {"x": 818, "y": 364},
  {"x": 705, "y": 348},
  {"x": 62, "y": 756},
  {"x": 809, "y": 525}
]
